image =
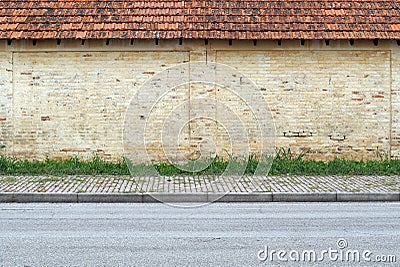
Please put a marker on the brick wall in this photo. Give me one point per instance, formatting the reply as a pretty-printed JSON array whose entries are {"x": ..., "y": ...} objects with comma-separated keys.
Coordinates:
[{"x": 70, "y": 99}]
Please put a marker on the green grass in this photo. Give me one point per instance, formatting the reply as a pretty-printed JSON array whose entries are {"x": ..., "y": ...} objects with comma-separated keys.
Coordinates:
[
  {"x": 45, "y": 180},
  {"x": 390, "y": 183},
  {"x": 78, "y": 180},
  {"x": 8, "y": 180},
  {"x": 72, "y": 166},
  {"x": 285, "y": 163}
]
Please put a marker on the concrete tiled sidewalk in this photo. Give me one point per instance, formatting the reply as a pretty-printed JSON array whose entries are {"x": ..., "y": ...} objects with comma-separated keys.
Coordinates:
[{"x": 204, "y": 184}]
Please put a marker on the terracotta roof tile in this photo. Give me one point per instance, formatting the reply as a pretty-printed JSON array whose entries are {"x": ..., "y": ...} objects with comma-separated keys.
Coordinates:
[{"x": 208, "y": 19}]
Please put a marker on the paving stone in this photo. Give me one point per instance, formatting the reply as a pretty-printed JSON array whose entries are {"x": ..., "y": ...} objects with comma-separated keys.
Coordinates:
[{"x": 186, "y": 185}]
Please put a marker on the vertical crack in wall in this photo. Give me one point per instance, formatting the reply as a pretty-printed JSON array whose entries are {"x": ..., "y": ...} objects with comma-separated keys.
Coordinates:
[
  {"x": 390, "y": 105},
  {"x": 12, "y": 104}
]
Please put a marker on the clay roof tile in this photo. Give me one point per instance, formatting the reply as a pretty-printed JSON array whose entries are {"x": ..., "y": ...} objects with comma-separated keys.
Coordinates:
[{"x": 208, "y": 19}]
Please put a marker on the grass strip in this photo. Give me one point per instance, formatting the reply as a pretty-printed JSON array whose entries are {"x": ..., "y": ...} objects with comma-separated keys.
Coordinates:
[{"x": 284, "y": 163}]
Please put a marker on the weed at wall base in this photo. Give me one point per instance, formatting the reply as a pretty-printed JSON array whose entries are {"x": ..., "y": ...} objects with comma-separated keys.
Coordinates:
[{"x": 284, "y": 163}]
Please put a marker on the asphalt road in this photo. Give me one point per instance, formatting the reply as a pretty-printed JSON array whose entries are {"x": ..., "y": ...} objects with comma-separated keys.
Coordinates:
[{"x": 225, "y": 234}]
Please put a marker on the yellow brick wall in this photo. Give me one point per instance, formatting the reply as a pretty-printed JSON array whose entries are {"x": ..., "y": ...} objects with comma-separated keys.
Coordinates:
[
  {"x": 395, "y": 102},
  {"x": 6, "y": 102},
  {"x": 324, "y": 96},
  {"x": 74, "y": 103},
  {"x": 71, "y": 99}
]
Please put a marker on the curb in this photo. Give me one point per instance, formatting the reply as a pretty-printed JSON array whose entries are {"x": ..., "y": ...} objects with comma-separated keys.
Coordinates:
[{"x": 9, "y": 197}]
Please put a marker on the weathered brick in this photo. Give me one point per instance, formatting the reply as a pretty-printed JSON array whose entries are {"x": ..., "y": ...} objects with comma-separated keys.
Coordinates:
[{"x": 60, "y": 101}]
